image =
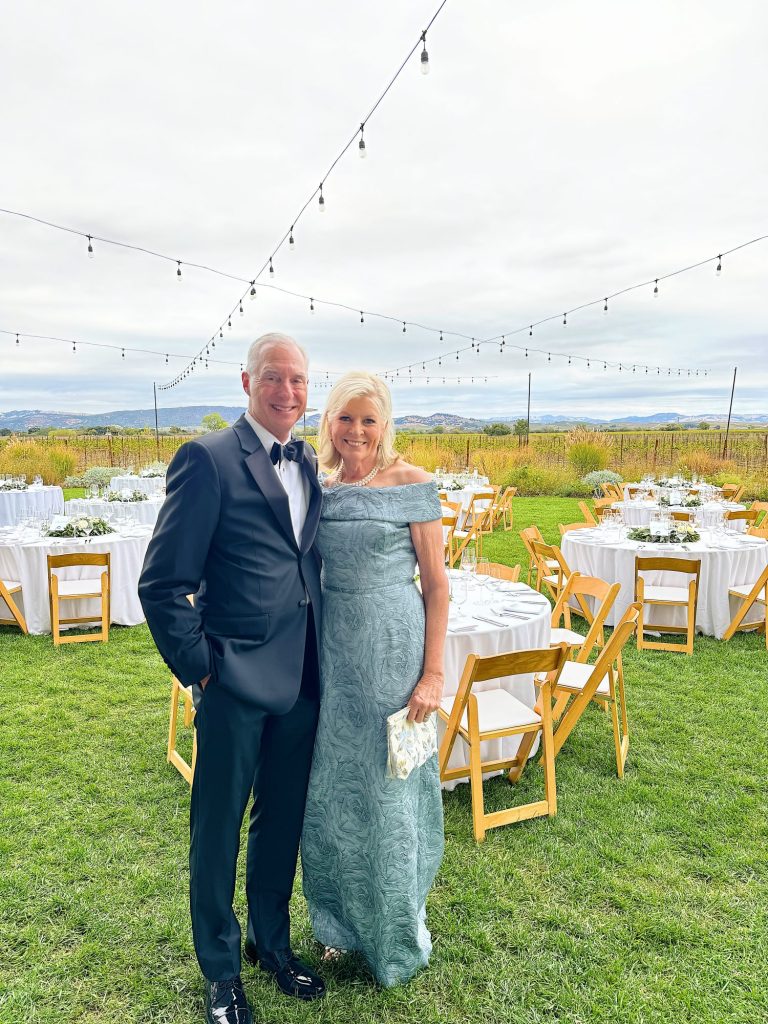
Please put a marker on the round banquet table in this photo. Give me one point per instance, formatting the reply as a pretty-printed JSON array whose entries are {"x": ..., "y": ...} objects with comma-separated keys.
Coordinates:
[
  {"x": 528, "y": 626},
  {"x": 23, "y": 558},
  {"x": 46, "y": 501},
  {"x": 727, "y": 560},
  {"x": 465, "y": 494},
  {"x": 144, "y": 512},
  {"x": 147, "y": 484},
  {"x": 640, "y": 513}
]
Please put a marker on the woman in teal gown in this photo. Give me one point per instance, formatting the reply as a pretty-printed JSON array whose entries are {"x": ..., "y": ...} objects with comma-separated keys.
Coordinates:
[{"x": 372, "y": 845}]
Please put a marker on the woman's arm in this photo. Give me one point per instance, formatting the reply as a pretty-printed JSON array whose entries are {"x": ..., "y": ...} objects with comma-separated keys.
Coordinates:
[{"x": 428, "y": 544}]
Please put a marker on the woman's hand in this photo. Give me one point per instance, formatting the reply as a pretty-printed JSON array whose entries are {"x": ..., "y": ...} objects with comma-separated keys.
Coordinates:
[{"x": 426, "y": 697}]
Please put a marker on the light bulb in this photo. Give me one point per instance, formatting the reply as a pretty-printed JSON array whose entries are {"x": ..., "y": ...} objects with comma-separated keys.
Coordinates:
[
  {"x": 291, "y": 243},
  {"x": 179, "y": 278},
  {"x": 719, "y": 267},
  {"x": 361, "y": 148},
  {"x": 90, "y": 248},
  {"x": 605, "y": 307},
  {"x": 656, "y": 289},
  {"x": 271, "y": 268},
  {"x": 252, "y": 293},
  {"x": 424, "y": 61},
  {"x": 242, "y": 311},
  {"x": 311, "y": 306}
]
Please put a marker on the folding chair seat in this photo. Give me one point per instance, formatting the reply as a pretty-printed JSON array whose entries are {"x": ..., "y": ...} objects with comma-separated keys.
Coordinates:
[
  {"x": 580, "y": 683},
  {"x": 496, "y": 714},
  {"x": 586, "y": 511},
  {"x": 7, "y": 589},
  {"x": 750, "y": 595},
  {"x": 667, "y": 595},
  {"x": 78, "y": 590}
]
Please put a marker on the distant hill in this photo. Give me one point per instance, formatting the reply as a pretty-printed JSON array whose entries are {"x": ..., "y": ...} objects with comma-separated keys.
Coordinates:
[{"x": 191, "y": 416}]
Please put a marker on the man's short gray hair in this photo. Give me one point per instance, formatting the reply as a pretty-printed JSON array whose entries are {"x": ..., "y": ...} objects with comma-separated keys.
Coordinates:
[{"x": 261, "y": 346}]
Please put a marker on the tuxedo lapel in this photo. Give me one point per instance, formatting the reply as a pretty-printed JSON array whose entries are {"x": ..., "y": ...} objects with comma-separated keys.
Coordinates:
[
  {"x": 315, "y": 499},
  {"x": 260, "y": 467}
]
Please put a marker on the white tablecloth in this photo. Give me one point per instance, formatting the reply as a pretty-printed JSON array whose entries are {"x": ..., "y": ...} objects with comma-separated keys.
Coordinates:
[
  {"x": 736, "y": 561},
  {"x": 147, "y": 484},
  {"x": 465, "y": 495},
  {"x": 640, "y": 513},
  {"x": 41, "y": 500},
  {"x": 487, "y": 640},
  {"x": 142, "y": 511},
  {"x": 25, "y": 561}
]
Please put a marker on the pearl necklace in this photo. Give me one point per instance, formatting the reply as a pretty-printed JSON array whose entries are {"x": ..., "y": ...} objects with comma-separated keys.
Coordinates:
[{"x": 358, "y": 483}]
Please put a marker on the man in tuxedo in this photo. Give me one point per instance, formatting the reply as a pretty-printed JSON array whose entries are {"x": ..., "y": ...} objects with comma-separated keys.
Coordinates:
[{"x": 237, "y": 530}]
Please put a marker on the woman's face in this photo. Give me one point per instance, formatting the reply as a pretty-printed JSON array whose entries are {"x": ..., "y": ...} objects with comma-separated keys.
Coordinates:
[{"x": 357, "y": 430}]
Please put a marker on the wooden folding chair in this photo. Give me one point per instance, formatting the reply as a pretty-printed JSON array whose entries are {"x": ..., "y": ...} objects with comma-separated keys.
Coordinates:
[
  {"x": 581, "y": 589},
  {"x": 669, "y": 597},
  {"x": 78, "y": 590},
  {"x": 602, "y": 505},
  {"x": 632, "y": 492},
  {"x": 745, "y": 515},
  {"x": 683, "y": 517},
  {"x": 750, "y": 595},
  {"x": 579, "y": 683},
  {"x": 480, "y": 503},
  {"x": 499, "y": 571},
  {"x": 732, "y": 492},
  {"x": 567, "y": 527},
  {"x": 496, "y": 714},
  {"x": 586, "y": 511},
  {"x": 466, "y": 537},
  {"x": 758, "y": 531},
  {"x": 184, "y": 694},
  {"x": 761, "y": 506},
  {"x": 544, "y": 556},
  {"x": 504, "y": 514},
  {"x": 528, "y": 535},
  {"x": 7, "y": 589}
]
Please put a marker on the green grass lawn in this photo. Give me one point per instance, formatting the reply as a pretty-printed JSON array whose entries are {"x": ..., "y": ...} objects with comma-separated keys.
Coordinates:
[{"x": 643, "y": 900}]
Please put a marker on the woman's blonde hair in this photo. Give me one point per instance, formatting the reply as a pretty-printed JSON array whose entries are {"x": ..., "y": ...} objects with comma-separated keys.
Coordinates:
[{"x": 357, "y": 384}]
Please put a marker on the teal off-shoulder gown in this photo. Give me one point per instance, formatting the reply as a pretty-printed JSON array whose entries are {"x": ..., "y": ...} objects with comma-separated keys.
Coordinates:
[{"x": 371, "y": 845}]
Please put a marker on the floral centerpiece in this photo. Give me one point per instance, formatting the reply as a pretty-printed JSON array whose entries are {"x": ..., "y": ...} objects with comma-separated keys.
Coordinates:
[
  {"x": 84, "y": 526},
  {"x": 691, "y": 502},
  {"x": 154, "y": 469},
  {"x": 126, "y": 496},
  {"x": 12, "y": 485},
  {"x": 679, "y": 533}
]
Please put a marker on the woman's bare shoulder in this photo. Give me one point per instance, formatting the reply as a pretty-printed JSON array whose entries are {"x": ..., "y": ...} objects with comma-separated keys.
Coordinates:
[{"x": 402, "y": 472}]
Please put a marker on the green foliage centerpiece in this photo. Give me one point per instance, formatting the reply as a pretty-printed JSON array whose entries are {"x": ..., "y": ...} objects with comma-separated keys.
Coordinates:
[
  {"x": 84, "y": 526},
  {"x": 679, "y": 533},
  {"x": 131, "y": 496}
]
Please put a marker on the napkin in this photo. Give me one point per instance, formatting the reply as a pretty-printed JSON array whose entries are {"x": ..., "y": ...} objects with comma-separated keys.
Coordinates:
[{"x": 461, "y": 625}]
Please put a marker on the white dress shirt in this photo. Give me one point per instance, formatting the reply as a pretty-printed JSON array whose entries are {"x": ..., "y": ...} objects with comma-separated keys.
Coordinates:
[{"x": 291, "y": 477}]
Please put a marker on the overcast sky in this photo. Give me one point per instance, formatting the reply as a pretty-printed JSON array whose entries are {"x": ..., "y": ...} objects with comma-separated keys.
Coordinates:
[{"x": 556, "y": 152}]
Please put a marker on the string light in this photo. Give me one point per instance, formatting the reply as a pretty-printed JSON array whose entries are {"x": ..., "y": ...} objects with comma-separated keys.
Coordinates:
[
  {"x": 424, "y": 55},
  {"x": 362, "y": 318},
  {"x": 403, "y": 326},
  {"x": 271, "y": 268},
  {"x": 311, "y": 306},
  {"x": 656, "y": 289},
  {"x": 291, "y": 243},
  {"x": 605, "y": 307},
  {"x": 242, "y": 311},
  {"x": 719, "y": 268},
  {"x": 361, "y": 143},
  {"x": 179, "y": 278},
  {"x": 252, "y": 292},
  {"x": 90, "y": 247},
  {"x": 17, "y": 339},
  {"x": 122, "y": 353},
  {"x": 321, "y": 200},
  {"x": 565, "y": 321}
]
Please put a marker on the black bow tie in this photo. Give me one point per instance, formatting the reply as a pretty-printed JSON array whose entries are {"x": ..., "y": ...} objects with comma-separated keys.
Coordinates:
[{"x": 293, "y": 451}]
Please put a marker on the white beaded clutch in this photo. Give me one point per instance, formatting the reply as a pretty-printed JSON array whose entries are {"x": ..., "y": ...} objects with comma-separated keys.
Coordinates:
[{"x": 409, "y": 744}]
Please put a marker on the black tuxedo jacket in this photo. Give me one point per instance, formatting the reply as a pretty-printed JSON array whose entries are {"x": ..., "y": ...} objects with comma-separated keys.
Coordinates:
[{"x": 224, "y": 533}]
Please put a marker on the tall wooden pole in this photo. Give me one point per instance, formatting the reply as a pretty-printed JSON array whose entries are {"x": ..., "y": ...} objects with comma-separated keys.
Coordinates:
[
  {"x": 730, "y": 410},
  {"x": 528, "y": 419},
  {"x": 157, "y": 432}
]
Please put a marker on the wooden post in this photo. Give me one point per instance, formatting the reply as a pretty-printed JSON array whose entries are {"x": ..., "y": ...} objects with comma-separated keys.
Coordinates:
[
  {"x": 528, "y": 418},
  {"x": 730, "y": 410}
]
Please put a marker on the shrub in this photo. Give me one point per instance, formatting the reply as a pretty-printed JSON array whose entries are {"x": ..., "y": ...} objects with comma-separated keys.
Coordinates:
[
  {"x": 588, "y": 450},
  {"x": 61, "y": 462},
  {"x": 100, "y": 475},
  {"x": 704, "y": 463},
  {"x": 30, "y": 458},
  {"x": 73, "y": 481},
  {"x": 594, "y": 479},
  {"x": 538, "y": 480}
]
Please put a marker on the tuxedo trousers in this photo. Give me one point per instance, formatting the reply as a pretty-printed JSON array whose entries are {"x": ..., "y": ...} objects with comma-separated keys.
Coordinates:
[{"x": 243, "y": 750}]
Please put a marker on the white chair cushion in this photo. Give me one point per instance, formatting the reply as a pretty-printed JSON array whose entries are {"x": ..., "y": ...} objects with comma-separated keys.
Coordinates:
[
  {"x": 497, "y": 709},
  {"x": 80, "y": 588},
  {"x": 743, "y": 590},
  {"x": 678, "y": 595},
  {"x": 575, "y": 675},
  {"x": 11, "y": 585},
  {"x": 567, "y": 636},
  {"x": 552, "y": 579},
  {"x": 461, "y": 533},
  {"x": 551, "y": 563}
]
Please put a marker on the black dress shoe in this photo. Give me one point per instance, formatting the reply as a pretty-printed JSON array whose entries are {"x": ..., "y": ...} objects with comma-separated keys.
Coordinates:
[
  {"x": 293, "y": 977},
  {"x": 225, "y": 1003}
]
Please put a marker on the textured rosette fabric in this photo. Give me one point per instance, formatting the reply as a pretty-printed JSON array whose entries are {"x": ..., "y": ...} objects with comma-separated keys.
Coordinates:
[{"x": 372, "y": 844}]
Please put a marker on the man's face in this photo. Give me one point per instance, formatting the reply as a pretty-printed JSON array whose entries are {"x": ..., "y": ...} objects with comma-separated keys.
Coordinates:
[{"x": 277, "y": 390}]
